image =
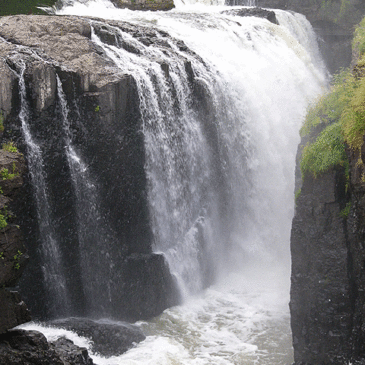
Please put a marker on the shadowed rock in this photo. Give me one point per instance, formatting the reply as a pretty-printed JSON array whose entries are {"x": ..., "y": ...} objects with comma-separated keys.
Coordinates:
[
  {"x": 256, "y": 12},
  {"x": 108, "y": 338}
]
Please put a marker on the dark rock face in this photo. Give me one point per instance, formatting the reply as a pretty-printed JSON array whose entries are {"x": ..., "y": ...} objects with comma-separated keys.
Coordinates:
[
  {"x": 13, "y": 310},
  {"x": 321, "y": 294},
  {"x": 148, "y": 280},
  {"x": 69, "y": 353},
  {"x": 108, "y": 338},
  {"x": 105, "y": 126},
  {"x": 328, "y": 286},
  {"x": 257, "y": 12},
  {"x": 144, "y": 4},
  {"x": 13, "y": 257},
  {"x": 19, "y": 347}
]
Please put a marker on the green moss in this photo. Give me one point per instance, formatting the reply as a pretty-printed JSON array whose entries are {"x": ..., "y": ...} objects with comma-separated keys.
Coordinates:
[
  {"x": 326, "y": 152},
  {"x": 353, "y": 117},
  {"x": 358, "y": 43},
  {"x": 12, "y": 7},
  {"x": 3, "y": 222},
  {"x": 340, "y": 116},
  {"x": 346, "y": 211},
  {"x": 10, "y": 147},
  {"x": 328, "y": 108},
  {"x": 17, "y": 257}
]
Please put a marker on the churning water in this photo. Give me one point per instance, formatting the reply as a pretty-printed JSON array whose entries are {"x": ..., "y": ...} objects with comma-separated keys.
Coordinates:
[{"x": 260, "y": 77}]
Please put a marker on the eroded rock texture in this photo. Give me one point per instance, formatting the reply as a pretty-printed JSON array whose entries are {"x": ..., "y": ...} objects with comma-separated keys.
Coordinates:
[
  {"x": 20, "y": 347},
  {"x": 13, "y": 256},
  {"x": 104, "y": 122},
  {"x": 328, "y": 266}
]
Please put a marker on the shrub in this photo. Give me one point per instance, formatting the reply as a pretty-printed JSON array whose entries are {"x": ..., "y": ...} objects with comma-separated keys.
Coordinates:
[{"x": 10, "y": 147}]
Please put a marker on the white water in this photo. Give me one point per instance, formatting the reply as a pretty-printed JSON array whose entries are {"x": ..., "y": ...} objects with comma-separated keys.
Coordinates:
[{"x": 262, "y": 77}]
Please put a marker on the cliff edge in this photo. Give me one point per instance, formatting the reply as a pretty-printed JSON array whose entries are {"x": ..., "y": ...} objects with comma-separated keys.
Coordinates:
[{"x": 327, "y": 240}]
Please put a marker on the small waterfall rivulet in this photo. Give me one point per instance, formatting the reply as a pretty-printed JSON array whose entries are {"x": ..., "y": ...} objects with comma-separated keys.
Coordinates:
[
  {"x": 221, "y": 100},
  {"x": 94, "y": 236},
  {"x": 53, "y": 266}
]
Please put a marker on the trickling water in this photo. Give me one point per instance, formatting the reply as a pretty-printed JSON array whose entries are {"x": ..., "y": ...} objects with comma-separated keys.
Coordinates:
[
  {"x": 95, "y": 238},
  {"x": 220, "y": 169},
  {"x": 53, "y": 265}
]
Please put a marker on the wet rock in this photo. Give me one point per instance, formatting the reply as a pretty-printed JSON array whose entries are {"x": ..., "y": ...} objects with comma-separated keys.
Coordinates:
[
  {"x": 71, "y": 354},
  {"x": 256, "y": 12},
  {"x": 149, "y": 286},
  {"x": 20, "y": 347},
  {"x": 321, "y": 296},
  {"x": 105, "y": 123},
  {"x": 109, "y": 338},
  {"x": 13, "y": 310},
  {"x": 144, "y": 4},
  {"x": 13, "y": 256}
]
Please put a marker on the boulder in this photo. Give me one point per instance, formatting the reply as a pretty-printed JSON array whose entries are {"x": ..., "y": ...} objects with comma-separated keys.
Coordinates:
[
  {"x": 13, "y": 310},
  {"x": 20, "y": 347},
  {"x": 108, "y": 338},
  {"x": 69, "y": 353}
]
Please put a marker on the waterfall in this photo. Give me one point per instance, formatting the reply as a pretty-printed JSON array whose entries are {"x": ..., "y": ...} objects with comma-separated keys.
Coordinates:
[
  {"x": 229, "y": 194},
  {"x": 178, "y": 157},
  {"x": 221, "y": 101},
  {"x": 52, "y": 263}
]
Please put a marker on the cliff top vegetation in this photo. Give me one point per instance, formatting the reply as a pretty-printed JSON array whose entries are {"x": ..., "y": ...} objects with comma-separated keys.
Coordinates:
[{"x": 337, "y": 119}]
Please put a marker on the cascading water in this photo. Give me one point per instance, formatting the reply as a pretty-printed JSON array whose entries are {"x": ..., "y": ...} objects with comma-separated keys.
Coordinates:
[
  {"x": 94, "y": 236},
  {"x": 220, "y": 173},
  {"x": 53, "y": 265}
]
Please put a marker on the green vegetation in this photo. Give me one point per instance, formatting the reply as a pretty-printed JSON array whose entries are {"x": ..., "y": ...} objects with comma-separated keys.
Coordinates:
[
  {"x": 97, "y": 109},
  {"x": 335, "y": 9},
  {"x": 17, "y": 257},
  {"x": 358, "y": 43},
  {"x": 337, "y": 119},
  {"x": 326, "y": 152},
  {"x": 1, "y": 122},
  {"x": 12, "y": 7},
  {"x": 346, "y": 211},
  {"x": 8, "y": 176},
  {"x": 3, "y": 222},
  {"x": 297, "y": 194},
  {"x": 10, "y": 147}
]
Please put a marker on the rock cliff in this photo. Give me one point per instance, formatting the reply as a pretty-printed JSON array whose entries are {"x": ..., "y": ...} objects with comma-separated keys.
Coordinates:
[
  {"x": 103, "y": 109},
  {"x": 327, "y": 240},
  {"x": 13, "y": 254},
  {"x": 333, "y": 21}
]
